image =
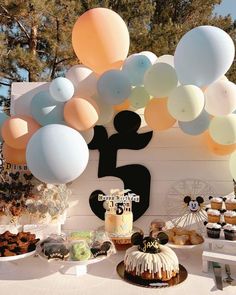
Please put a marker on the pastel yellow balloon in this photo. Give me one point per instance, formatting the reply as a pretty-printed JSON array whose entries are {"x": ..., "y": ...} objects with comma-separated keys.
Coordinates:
[
  {"x": 186, "y": 102},
  {"x": 139, "y": 97},
  {"x": 223, "y": 129},
  {"x": 160, "y": 79}
]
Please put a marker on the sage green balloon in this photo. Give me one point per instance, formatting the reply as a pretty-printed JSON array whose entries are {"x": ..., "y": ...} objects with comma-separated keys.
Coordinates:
[
  {"x": 139, "y": 97},
  {"x": 223, "y": 129},
  {"x": 186, "y": 103},
  {"x": 160, "y": 79}
]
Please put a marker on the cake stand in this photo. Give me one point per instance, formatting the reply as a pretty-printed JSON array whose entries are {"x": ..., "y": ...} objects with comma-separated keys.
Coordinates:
[
  {"x": 121, "y": 242},
  {"x": 71, "y": 267}
]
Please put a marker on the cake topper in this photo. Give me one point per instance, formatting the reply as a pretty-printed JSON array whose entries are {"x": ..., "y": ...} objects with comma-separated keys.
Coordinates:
[{"x": 149, "y": 244}]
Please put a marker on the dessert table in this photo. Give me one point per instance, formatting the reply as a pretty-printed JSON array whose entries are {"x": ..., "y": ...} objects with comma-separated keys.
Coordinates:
[{"x": 35, "y": 276}]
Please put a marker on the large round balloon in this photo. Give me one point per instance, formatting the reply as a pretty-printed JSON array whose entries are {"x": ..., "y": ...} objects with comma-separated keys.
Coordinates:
[
  {"x": 100, "y": 39},
  {"x": 220, "y": 98},
  {"x": 80, "y": 113},
  {"x": 157, "y": 116},
  {"x": 13, "y": 156},
  {"x": 160, "y": 79},
  {"x": 218, "y": 149},
  {"x": 17, "y": 131},
  {"x": 84, "y": 81},
  {"x": 135, "y": 66},
  {"x": 186, "y": 103},
  {"x": 3, "y": 118},
  {"x": 113, "y": 87},
  {"x": 139, "y": 97},
  {"x": 46, "y": 110},
  {"x": 197, "y": 126},
  {"x": 61, "y": 89},
  {"x": 223, "y": 129},
  {"x": 57, "y": 154},
  {"x": 203, "y": 55}
]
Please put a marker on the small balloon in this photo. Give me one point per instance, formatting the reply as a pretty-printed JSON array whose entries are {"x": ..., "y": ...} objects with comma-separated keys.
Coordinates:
[
  {"x": 139, "y": 97},
  {"x": 84, "y": 81},
  {"x": 125, "y": 105},
  {"x": 150, "y": 55},
  {"x": 218, "y": 149},
  {"x": 223, "y": 129},
  {"x": 80, "y": 113},
  {"x": 186, "y": 103},
  {"x": 197, "y": 126},
  {"x": 113, "y": 87},
  {"x": 160, "y": 79},
  {"x": 220, "y": 98},
  {"x": 134, "y": 67},
  {"x": 168, "y": 59},
  {"x": 17, "y": 131},
  {"x": 157, "y": 116},
  {"x": 13, "y": 156},
  {"x": 61, "y": 89},
  {"x": 46, "y": 110}
]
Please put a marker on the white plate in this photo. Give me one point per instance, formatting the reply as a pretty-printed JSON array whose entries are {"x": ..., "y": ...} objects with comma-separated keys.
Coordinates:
[
  {"x": 17, "y": 257},
  {"x": 174, "y": 246}
]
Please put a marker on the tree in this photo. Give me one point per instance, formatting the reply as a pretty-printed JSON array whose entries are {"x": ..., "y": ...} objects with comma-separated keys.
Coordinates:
[{"x": 35, "y": 35}]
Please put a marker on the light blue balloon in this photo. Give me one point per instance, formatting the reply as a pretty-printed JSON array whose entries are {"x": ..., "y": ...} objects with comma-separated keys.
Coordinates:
[
  {"x": 3, "y": 118},
  {"x": 203, "y": 55},
  {"x": 135, "y": 66},
  {"x": 197, "y": 126},
  {"x": 57, "y": 154},
  {"x": 46, "y": 110},
  {"x": 61, "y": 89},
  {"x": 113, "y": 87}
]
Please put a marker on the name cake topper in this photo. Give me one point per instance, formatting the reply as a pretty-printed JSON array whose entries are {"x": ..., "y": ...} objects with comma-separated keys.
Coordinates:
[{"x": 119, "y": 201}]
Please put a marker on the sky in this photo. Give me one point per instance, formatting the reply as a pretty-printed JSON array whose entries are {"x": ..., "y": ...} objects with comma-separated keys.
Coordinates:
[{"x": 225, "y": 8}]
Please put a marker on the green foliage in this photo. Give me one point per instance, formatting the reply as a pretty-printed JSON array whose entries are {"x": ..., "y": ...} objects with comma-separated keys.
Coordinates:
[{"x": 35, "y": 35}]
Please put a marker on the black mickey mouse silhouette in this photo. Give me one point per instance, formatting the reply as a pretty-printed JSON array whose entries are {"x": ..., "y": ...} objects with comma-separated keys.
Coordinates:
[
  {"x": 149, "y": 244},
  {"x": 193, "y": 205},
  {"x": 135, "y": 177}
]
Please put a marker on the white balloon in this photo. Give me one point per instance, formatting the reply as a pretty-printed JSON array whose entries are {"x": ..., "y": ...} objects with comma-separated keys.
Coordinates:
[
  {"x": 186, "y": 103},
  {"x": 167, "y": 58},
  {"x": 57, "y": 154},
  {"x": 203, "y": 55},
  {"x": 83, "y": 79},
  {"x": 150, "y": 55},
  {"x": 220, "y": 98},
  {"x": 61, "y": 89},
  {"x": 223, "y": 129}
]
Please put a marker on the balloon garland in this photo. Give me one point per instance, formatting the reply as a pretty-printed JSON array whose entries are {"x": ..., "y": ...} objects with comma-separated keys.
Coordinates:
[{"x": 189, "y": 87}]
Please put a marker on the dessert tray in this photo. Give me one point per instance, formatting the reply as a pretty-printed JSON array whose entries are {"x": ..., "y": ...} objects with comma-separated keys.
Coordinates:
[
  {"x": 181, "y": 277},
  {"x": 184, "y": 247},
  {"x": 17, "y": 257}
]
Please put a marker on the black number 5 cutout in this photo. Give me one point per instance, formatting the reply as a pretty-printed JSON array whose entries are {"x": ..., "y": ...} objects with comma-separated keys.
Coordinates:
[{"x": 135, "y": 177}]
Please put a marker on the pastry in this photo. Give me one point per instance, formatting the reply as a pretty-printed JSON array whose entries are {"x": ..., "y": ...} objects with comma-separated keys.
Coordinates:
[
  {"x": 182, "y": 236},
  {"x": 101, "y": 249},
  {"x": 181, "y": 240},
  {"x": 230, "y": 204},
  {"x": 55, "y": 251},
  {"x": 216, "y": 203},
  {"x": 81, "y": 235},
  {"x": 230, "y": 232},
  {"x": 230, "y": 217},
  {"x": 195, "y": 239},
  {"x": 213, "y": 215},
  {"x": 213, "y": 230},
  {"x": 80, "y": 251},
  {"x": 148, "y": 259}
]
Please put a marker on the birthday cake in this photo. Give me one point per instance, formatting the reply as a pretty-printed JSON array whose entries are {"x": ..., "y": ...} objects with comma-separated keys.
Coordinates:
[
  {"x": 118, "y": 215},
  {"x": 150, "y": 259}
]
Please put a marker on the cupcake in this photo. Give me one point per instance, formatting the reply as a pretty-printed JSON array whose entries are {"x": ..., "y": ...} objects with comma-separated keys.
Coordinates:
[
  {"x": 230, "y": 204},
  {"x": 213, "y": 215},
  {"x": 216, "y": 203},
  {"x": 213, "y": 230},
  {"x": 230, "y": 232},
  {"x": 230, "y": 217}
]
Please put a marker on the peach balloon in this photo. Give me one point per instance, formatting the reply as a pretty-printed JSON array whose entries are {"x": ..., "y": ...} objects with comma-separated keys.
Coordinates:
[
  {"x": 13, "y": 156},
  {"x": 217, "y": 148},
  {"x": 80, "y": 113},
  {"x": 100, "y": 39},
  {"x": 157, "y": 116},
  {"x": 17, "y": 131},
  {"x": 123, "y": 106}
]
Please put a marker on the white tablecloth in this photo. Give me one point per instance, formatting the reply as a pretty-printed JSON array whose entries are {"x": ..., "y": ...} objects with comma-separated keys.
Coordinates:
[{"x": 37, "y": 277}]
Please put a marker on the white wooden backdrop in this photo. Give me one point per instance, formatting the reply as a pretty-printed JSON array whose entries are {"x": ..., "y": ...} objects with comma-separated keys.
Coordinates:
[{"x": 170, "y": 156}]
